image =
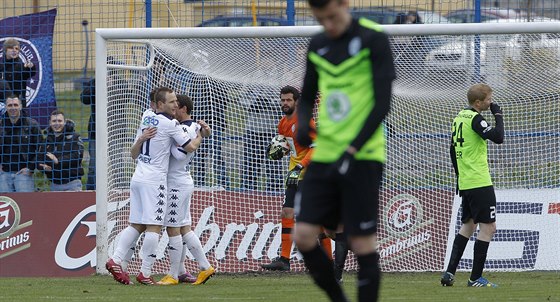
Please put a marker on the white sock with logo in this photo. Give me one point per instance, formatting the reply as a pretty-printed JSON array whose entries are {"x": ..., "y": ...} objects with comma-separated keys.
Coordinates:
[
  {"x": 195, "y": 247},
  {"x": 148, "y": 252},
  {"x": 127, "y": 240},
  {"x": 128, "y": 257}
]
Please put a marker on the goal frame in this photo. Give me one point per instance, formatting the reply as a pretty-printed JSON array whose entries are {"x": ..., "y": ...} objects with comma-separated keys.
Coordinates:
[{"x": 102, "y": 35}]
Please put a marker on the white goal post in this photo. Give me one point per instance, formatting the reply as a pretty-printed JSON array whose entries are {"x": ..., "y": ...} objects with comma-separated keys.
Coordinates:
[{"x": 234, "y": 76}]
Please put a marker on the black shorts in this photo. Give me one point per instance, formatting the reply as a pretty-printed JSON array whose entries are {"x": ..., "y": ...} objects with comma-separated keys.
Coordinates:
[
  {"x": 479, "y": 204},
  {"x": 289, "y": 196},
  {"x": 327, "y": 199}
]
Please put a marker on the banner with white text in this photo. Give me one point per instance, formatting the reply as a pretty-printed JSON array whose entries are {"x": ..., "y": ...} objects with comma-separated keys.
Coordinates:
[{"x": 47, "y": 234}]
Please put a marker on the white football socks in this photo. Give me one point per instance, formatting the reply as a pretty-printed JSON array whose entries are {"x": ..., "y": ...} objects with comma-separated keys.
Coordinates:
[
  {"x": 148, "y": 252},
  {"x": 175, "y": 250},
  {"x": 127, "y": 241},
  {"x": 195, "y": 247}
]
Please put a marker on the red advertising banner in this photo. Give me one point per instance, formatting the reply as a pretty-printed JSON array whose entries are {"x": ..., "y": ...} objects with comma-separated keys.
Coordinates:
[
  {"x": 53, "y": 233},
  {"x": 47, "y": 234},
  {"x": 413, "y": 229},
  {"x": 240, "y": 231}
]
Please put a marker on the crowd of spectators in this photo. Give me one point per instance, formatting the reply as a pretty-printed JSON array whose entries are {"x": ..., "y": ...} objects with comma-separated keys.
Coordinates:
[{"x": 25, "y": 149}]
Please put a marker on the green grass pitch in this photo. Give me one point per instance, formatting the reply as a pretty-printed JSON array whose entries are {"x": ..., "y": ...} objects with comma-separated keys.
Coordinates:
[{"x": 283, "y": 287}]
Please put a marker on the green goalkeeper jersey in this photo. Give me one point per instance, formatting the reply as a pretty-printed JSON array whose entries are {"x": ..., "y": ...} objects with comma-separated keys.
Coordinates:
[{"x": 471, "y": 151}]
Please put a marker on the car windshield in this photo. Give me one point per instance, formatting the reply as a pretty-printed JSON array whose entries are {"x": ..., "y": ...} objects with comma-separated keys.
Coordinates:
[
  {"x": 468, "y": 17},
  {"x": 485, "y": 38},
  {"x": 380, "y": 16},
  {"x": 431, "y": 17}
]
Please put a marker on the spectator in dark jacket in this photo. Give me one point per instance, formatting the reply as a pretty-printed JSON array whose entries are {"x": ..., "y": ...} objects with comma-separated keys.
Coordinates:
[
  {"x": 400, "y": 18},
  {"x": 88, "y": 98},
  {"x": 60, "y": 157},
  {"x": 14, "y": 71},
  {"x": 5, "y": 90},
  {"x": 413, "y": 18},
  {"x": 20, "y": 138}
]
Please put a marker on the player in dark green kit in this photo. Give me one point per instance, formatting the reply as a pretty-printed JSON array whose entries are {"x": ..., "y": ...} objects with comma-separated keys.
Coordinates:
[
  {"x": 351, "y": 65},
  {"x": 469, "y": 154}
]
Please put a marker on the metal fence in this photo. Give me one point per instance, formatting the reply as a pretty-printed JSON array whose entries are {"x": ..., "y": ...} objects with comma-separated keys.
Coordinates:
[{"x": 76, "y": 20}]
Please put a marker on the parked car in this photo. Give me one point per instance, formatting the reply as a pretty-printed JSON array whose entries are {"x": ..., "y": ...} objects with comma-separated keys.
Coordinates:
[
  {"x": 238, "y": 21},
  {"x": 378, "y": 14},
  {"x": 486, "y": 14},
  {"x": 385, "y": 15},
  {"x": 457, "y": 56},
  {"x": 429, "y": 17}
]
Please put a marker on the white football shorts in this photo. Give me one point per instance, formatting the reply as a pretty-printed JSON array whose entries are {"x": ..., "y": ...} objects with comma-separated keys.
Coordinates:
[
  {"x": 148, "y": 203},
  {"x": 178, "y": 212}
]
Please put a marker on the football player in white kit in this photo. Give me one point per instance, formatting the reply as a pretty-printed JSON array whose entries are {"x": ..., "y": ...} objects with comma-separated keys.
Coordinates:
[
  {"x": 142, "y": 136},
  {"x": 180, "y": 187},
  {"x": 148, "y": 186}
]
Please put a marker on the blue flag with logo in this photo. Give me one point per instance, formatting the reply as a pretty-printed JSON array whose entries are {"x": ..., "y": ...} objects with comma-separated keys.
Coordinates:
[{"x": 35, "y": 35}]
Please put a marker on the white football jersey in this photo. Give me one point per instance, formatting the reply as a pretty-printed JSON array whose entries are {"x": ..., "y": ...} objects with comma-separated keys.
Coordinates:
[
  {"x": 153, "y": 161},
  {"x": 149, "y": 112},
  {"x": 180, "y": 161}
]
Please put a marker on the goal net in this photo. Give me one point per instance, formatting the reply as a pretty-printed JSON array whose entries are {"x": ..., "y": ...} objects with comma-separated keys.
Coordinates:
[{"x": 234, "y": 76}]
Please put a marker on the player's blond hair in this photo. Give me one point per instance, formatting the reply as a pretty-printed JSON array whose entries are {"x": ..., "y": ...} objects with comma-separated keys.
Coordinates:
[{"x": 478, "y": 92}]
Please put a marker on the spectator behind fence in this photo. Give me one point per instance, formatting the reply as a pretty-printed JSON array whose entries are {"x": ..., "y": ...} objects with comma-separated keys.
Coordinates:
[
  {"x": 88, "y": 98},
  {"x": 20, "y": 138},
  {"x": 15, "y": 71},
  {"x": 400, "y": 18},
  {"x": 413, "y": 18},
  {"x": 60, "y": 157},
  {"x": 5, "y": 91}
]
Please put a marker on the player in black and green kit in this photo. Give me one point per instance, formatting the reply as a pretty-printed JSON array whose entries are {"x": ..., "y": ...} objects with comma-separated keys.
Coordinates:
[
  {"x": 351, "y": 65},
  {"x": 469, "y": 154}
]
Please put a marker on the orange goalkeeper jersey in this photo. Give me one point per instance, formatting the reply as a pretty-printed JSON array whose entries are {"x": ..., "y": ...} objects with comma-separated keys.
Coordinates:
[{"x": 298, "y": 154}]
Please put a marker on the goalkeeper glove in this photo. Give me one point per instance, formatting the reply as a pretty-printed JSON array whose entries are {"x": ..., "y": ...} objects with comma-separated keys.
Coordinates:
[
  {"x": 495, "y": 108},
  {"x": 344, "y": 164},
  {"x": 274, "y": 152},
  {"x": 293, "y": 176}
]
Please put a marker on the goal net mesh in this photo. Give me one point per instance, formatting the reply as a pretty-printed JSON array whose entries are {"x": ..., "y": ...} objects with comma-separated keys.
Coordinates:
[{"x": 235, "y": 85}]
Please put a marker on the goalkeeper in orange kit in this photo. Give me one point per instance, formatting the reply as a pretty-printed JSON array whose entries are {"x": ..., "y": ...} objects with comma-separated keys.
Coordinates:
[{"x": 299, "y": 159}]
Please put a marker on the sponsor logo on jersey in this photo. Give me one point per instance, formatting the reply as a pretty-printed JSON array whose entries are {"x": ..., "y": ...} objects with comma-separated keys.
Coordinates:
[
  {"x": 323, "y": 51},
  {"x": 150, "y": 121},
  {"x": 354, "y": 46},
  {"x": 338, "y": 105}
]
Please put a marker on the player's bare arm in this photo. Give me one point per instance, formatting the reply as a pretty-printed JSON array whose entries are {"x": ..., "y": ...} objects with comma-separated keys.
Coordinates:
[{"x": 137, "y": 146}]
